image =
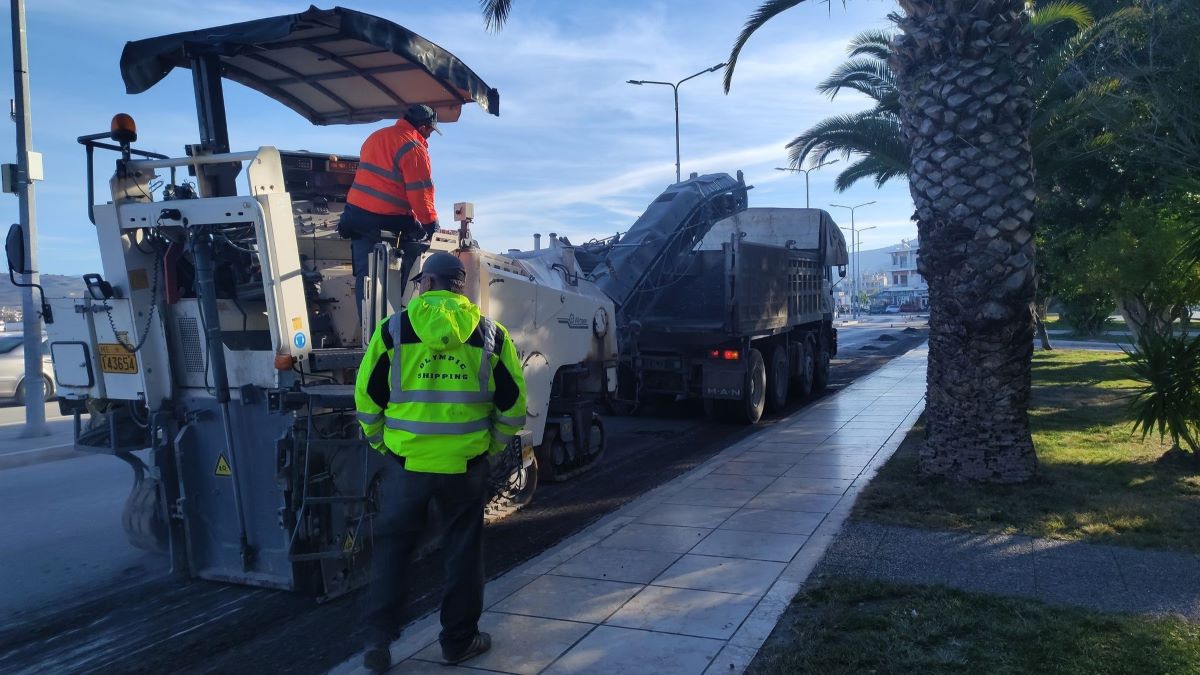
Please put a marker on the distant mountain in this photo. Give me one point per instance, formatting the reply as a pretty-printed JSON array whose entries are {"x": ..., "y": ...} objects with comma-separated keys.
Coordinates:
[{"x": 56, "y": 286}]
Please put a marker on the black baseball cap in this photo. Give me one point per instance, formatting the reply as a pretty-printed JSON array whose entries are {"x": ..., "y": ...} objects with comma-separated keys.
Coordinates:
[
  {"x": 420, "y": 114},
  {"x": 443, "y": 266}
]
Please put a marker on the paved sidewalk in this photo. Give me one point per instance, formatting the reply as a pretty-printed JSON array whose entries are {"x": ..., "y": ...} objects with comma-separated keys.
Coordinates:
[
  {"x": 692, "y": 576},
  {"x": 1105, "y": 578}
]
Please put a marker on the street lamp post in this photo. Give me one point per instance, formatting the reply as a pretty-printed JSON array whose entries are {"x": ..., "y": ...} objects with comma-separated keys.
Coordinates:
[
  {"x": 854, "y": 263},
  {"x": 675, "y": 88},
  {"x": 805, "y": 172},
  {"x": 858, "y": 248}
]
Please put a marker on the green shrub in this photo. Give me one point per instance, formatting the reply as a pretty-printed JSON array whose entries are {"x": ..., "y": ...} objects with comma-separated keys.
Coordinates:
[
  {"x": 1086, "y": 313},
  {"x": 1168, "y": 366}
]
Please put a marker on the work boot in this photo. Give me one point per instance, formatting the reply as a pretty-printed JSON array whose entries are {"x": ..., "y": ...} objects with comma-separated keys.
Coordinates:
[
  {"x": 377, "y": 658},
  {"x": 478, "y": 645}
]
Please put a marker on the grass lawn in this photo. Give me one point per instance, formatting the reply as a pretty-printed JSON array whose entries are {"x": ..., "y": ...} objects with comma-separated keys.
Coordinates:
[
  {"x": 844, "y": 626},
  {"x": 1054, "y": 323},
  {"x": 1098, "y": 481}
]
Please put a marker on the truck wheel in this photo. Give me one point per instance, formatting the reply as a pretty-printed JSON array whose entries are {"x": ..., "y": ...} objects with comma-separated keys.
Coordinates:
[
  {"x": 821, "y": 371},
  {"x": 802, "y": 384},
  {"x": 777, "y": 379},
  {"x": 754, "y": 396}
]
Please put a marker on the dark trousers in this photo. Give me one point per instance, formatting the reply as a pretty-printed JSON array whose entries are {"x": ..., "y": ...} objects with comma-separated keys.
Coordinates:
[
  {"x": 404, "y": 499},
  {"x": 365, "y": 229}
]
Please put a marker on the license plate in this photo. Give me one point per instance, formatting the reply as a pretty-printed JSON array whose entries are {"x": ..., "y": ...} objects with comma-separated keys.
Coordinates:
[{"x": 114, "y": 358}]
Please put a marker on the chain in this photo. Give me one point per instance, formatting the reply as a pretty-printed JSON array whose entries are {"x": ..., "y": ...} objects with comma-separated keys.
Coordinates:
[{"x": 149, "y": 315}]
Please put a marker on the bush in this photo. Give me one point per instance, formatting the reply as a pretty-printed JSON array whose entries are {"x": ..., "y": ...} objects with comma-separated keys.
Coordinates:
[
  {"x": 1086, "y": 313},
  {"x": 1169, "y": 402}
]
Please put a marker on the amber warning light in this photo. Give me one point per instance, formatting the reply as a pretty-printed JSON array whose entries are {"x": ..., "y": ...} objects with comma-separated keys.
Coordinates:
[{"x": 123, "y": 130}]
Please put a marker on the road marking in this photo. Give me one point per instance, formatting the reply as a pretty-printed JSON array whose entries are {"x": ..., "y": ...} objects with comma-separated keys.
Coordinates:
[{"x": 48, "y": 447}]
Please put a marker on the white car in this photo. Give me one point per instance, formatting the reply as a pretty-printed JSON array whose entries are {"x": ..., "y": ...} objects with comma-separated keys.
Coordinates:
[
  {"x": 891, "y": 309},
  {"x": 12, "y": 367}
]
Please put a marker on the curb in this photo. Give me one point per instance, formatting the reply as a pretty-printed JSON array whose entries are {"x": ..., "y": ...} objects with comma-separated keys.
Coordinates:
[{"x": 16, "y": 460}]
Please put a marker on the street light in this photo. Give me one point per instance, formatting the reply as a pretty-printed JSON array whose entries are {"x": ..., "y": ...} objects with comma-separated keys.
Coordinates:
[
  {"x": 858, "y": 247},
  {"x": 675, "y": 87},
  {"x": 805, "y": 172},
  {"x": 854, "y": 263}
]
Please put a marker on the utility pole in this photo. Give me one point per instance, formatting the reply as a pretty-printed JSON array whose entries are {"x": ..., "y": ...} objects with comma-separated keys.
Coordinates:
[
  {"x": 858, "y": 246},
  {"x": 675, "y": 87},
  {"x": 853, "y": 260},
  {"x": 805, "y": 172},
  {"x": 35, "y": 396}
]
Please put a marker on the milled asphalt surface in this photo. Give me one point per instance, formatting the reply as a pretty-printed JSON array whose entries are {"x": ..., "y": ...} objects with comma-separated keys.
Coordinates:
[{"x": 1093, "y": 576}]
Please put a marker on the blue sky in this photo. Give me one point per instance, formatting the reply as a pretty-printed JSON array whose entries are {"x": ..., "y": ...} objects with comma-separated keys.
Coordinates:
[{"x": 575, "y": 150}]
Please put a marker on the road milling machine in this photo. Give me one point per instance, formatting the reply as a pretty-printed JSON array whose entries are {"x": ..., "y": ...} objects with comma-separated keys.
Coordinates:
[{"x": 216, "y": 353}]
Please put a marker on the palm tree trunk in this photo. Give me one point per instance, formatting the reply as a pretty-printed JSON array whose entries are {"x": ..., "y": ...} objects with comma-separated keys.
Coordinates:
[{"x": 964, "y": 74}]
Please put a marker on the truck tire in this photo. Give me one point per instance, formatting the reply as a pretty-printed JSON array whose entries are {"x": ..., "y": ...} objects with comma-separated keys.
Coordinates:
[
  {"x": 821, "y": 368},
  {"x": 802, "y": 383},
  {"x": 754, "y": 399},
  {"x": 778, "y": 376}
]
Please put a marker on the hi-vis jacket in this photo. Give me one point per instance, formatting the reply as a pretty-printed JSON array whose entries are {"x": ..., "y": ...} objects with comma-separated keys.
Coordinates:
[
  {"x": 394, "y": 177},
  {"x": 440, "y": 385}
]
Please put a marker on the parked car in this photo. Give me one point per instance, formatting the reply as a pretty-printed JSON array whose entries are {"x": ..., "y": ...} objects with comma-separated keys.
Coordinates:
[
  {"x": 892, "y": 309},
  {"x": 12, "y": 367}
]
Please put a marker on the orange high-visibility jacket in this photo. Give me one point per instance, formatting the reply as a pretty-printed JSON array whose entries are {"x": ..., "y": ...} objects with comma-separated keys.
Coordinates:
[{"x": 394, "y": 176}]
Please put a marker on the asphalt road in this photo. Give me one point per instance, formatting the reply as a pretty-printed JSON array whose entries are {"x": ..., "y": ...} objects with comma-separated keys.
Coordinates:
[{"x": 81, "y": 599}]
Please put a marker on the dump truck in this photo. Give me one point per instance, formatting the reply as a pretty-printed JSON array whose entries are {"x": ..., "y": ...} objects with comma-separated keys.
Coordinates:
[{"x": 722, "y": 302}]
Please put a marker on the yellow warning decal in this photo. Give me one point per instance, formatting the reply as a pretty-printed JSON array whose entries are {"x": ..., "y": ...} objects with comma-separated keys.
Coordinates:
[
  {"x": 222, "y": 467},
  {"x": 348, "y": 546},
  {"x": 297, "y": 324}
]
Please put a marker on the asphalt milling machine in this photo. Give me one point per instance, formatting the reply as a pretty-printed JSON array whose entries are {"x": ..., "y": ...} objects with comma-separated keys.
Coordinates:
[{"x": 217, "y": 350}]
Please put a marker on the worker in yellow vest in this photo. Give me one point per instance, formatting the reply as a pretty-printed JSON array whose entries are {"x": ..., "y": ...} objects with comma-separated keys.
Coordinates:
[{"x": 440, "y": 388}]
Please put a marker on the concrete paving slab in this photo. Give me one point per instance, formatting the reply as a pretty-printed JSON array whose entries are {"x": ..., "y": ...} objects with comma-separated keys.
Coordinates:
[
  {"x": 837, "y": 471},
  {"x": 703, "y": 497},
  {"x": 767, "y": 520},
  {"x": 750, "y": 545},
  {"x": 687, "y": 515},
  {"x": 611, "y": 649},
  {"x": 730, "y": 482},
  {"x": 794, "y": 501},
  {"x": 725, "y": 575},
  {"x": 617, "y": 564},
  {"x": 666, "y": 538},
  {"x": 746, "y": 468},
  {"x": 732, "y": 659},
  {"x": 568, "y": 598},
  {"x": 766, "y": 454},
  {"x": 685, "y": 612},
  {"x": 520, "y": 644},
  {"x": 828, "y": 486}
]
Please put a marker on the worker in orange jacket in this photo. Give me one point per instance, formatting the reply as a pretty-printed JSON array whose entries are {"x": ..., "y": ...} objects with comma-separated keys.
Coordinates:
[{"x": 392, "y": 190}]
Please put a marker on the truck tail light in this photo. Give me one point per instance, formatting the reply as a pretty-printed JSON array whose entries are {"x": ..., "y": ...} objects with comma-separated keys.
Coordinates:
[{"x": 725, "y": 354}]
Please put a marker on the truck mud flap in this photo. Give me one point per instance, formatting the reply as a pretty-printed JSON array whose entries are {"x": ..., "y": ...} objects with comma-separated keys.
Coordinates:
[{"x": 723, "y": 380}]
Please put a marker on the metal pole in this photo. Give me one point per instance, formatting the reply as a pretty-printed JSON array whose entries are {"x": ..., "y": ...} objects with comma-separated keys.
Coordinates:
[
  {"x": 807, "y": 202},
  {"x": 675, "y": 88},
  {"x": 853, "y": 256},
  {"x": 35, "y": 396}
]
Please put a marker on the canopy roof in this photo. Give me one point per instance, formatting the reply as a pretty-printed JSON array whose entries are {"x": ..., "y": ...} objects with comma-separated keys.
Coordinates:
[{"x": 333, "y": 66}]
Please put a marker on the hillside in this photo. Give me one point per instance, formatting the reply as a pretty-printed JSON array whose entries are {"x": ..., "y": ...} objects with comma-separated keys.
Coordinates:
[{"x": 56, "y": 285}]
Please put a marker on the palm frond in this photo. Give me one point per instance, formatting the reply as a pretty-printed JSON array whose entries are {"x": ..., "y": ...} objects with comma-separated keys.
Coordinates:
[
  {"x": 863, "y": 133},
  {"x": 868, "y": 76},
  {"x": 876, "y": 43},
  {"x": 1044, "y": 17},
  {"x": 765, "y": 12},
  {"x": 867, "y": 167},
  {"x": 495, "y": 13}
]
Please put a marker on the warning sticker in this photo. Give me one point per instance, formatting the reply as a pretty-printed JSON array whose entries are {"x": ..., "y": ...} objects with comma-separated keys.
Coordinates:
[
  {"x": 348, "y": 546},
  {"x": 222, "y": 467}
]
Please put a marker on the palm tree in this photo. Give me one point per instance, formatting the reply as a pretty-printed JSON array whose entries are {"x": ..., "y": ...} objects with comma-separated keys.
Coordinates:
[
  {"x": 873, "y": 135},
  {"x": 963, "y": 78}
]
